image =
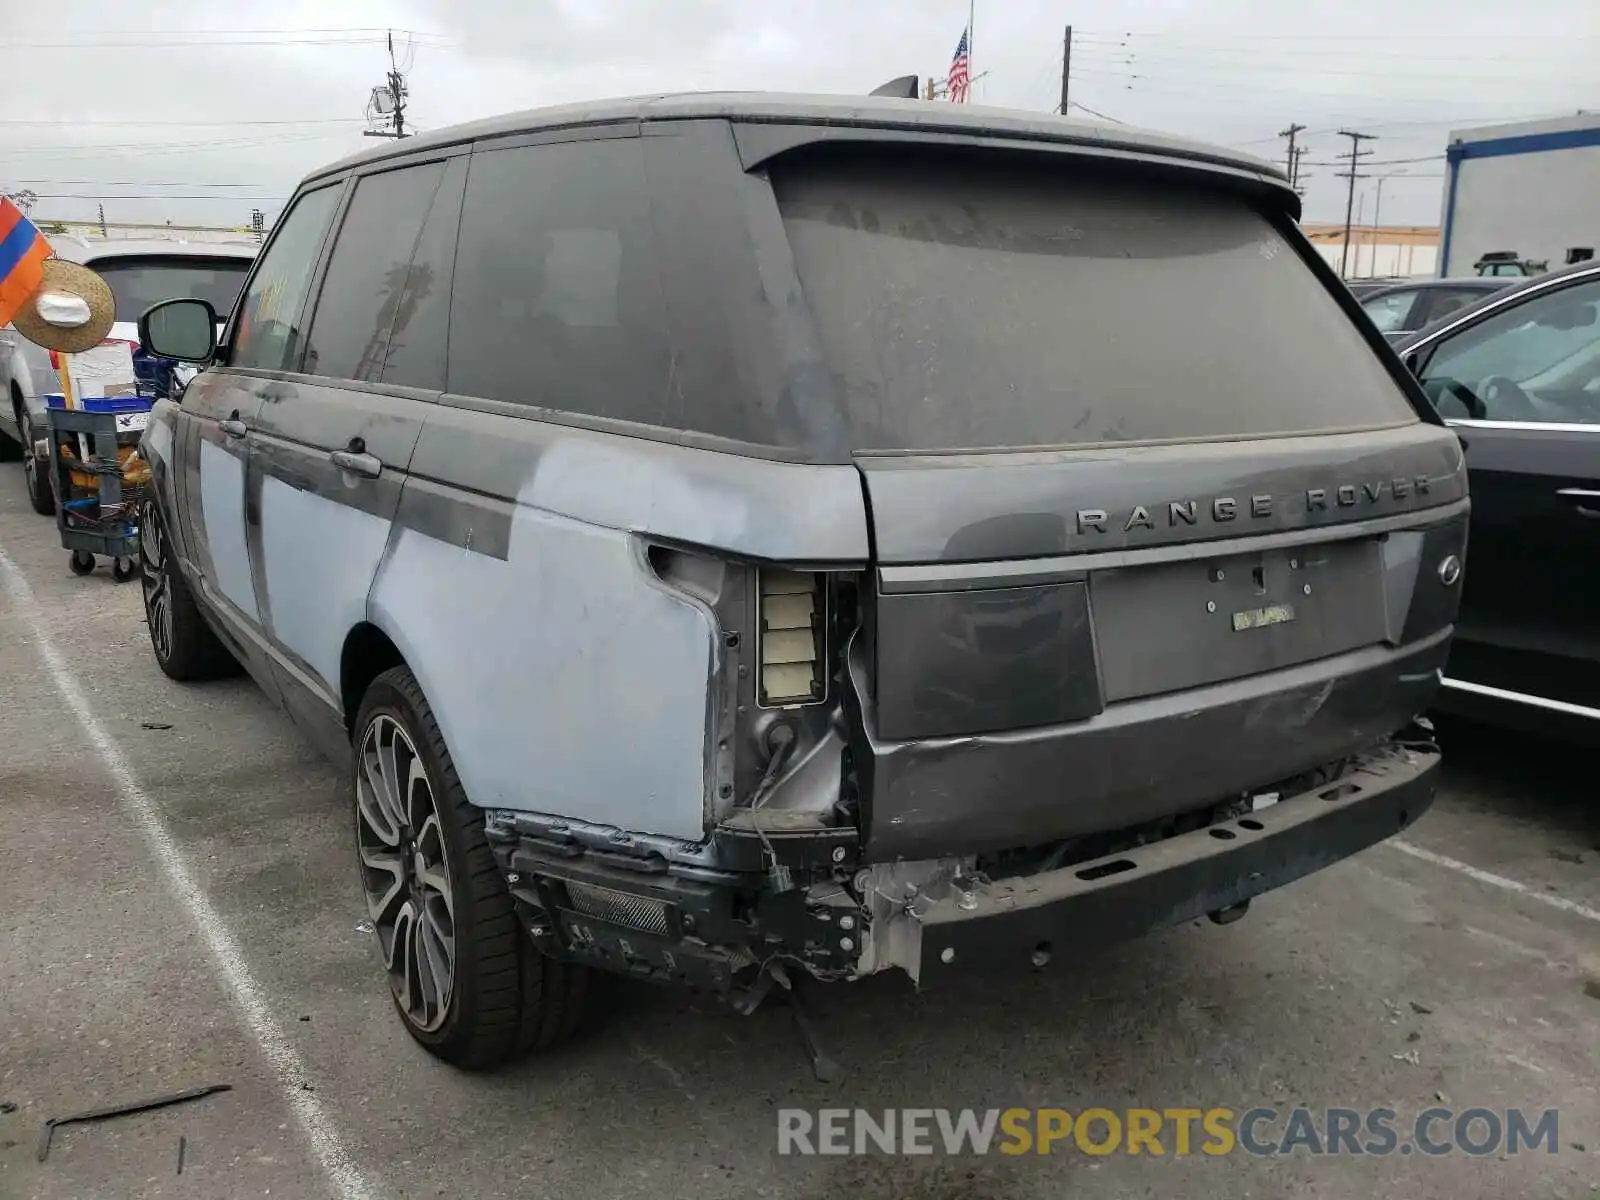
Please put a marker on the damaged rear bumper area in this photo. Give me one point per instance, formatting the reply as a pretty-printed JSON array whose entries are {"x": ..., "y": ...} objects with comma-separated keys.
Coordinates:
[{"x": 1010, "y": 922}]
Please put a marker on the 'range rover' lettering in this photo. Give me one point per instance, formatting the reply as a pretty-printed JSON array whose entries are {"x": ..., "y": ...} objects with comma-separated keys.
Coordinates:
[{"x": 1261, "y": 506}]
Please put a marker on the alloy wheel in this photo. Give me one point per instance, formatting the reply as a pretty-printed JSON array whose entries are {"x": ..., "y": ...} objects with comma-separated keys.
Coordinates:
[
  {"x": 30, "y": 460},
  {"x": 154, "y": 579},
  {"x": 404, "y": 872}
]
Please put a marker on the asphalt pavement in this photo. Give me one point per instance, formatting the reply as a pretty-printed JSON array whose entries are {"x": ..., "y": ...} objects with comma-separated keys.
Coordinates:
[{"x": 179, "y": 907}]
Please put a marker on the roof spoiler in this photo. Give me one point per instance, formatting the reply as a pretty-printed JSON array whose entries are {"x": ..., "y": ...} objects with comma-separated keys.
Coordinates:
[{"x": 905, "y": 87}]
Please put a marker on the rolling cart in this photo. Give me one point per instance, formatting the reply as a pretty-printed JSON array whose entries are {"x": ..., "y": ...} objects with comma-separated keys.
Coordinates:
[{"x": 98, "y": 481}]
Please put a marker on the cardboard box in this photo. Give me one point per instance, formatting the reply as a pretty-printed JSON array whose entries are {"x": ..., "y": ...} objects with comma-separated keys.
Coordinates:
[{"x": 103, "y": 370}]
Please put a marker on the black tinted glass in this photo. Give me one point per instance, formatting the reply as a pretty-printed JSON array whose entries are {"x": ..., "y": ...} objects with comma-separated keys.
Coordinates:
[
  {"x": 416, "y": 353},
  {"x": 138, "y": 283},
  {"x": 268, "y": 334},
  {"x": 363, "y": 293},
  {"x": 978, "y": 304},
  {"x": 557, "y": 299}
]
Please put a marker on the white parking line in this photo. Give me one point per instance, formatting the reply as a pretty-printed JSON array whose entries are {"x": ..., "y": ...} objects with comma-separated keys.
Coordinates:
[
  {"x": 330, "y": 1150},
  {"x": 1493, "y": 880}
]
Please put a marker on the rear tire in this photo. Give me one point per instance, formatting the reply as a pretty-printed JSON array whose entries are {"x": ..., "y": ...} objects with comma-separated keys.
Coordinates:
[
  {"x": 35, "y": 474},
  {"x": 185, "y": 647},
  {"x": 421, "y": 849}
]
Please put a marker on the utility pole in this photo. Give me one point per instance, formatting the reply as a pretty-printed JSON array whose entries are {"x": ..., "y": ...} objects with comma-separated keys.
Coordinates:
[
  {"x": 389, "y": 101},
  {"x": 1292, "y": 159},
  {"x": 1356, "y": 155},
  {"x": 1296, "y": 180},
  {"x": 1066, "y": 68}
]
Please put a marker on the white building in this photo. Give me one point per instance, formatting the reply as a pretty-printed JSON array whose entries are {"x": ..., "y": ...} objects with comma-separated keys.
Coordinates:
[{"x": 1532, "y": 187}]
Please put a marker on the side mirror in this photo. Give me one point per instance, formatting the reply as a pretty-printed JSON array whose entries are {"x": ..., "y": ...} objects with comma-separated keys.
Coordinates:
[{"x": 182, "y": 329}]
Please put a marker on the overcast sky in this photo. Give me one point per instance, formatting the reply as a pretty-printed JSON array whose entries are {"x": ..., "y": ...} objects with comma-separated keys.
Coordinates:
[{"x": 227, "y": 104}]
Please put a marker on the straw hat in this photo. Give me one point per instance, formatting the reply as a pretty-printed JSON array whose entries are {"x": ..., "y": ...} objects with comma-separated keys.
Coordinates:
[{"x": 71, "y": 312}]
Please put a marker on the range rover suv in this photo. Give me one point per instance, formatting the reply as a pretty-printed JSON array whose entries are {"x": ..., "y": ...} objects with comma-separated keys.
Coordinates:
[{"x": 748, "y": 540}]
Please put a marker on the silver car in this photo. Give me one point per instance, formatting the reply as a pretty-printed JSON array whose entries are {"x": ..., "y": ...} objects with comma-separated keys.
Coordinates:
[{"x": 140, "y": 272}]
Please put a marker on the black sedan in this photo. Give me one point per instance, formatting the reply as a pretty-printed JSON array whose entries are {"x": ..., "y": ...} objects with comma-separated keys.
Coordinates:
[
  {"x": 1518, "y": 376},
  {"x": 1401, "y": 309}
]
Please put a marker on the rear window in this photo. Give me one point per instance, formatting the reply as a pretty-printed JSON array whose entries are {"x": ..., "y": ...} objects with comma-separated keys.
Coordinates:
[
  {"x": 138, "y": 283},
  {"x": 983, "y": 303}
]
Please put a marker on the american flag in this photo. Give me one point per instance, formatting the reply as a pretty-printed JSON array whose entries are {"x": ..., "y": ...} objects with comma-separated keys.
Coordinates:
[{"x": 960, "y": 84}]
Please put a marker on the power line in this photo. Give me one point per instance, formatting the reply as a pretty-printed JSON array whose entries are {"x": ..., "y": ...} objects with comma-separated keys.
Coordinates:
[
  {"x": 76, "y": 153},
  {"x": 143, "y": 124},
  {"x": 1389, "y": 162},
  {"x": 1182, "y": 83},
  {"x": 1094, "y": 112},
  {"x": 155, "y": 196},
  {"x": 258, "y": 37},
  {"x": 1325, "y": 37},
  {"x": 132, "y": 183}
]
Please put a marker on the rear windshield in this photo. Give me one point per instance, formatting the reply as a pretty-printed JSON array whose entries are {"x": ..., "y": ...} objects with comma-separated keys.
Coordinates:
[
  {"x": 137, "y": 283},
  {"x": 1015, "y": 305}
]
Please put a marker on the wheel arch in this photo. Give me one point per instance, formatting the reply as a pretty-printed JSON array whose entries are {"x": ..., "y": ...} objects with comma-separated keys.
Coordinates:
[{"x": 368, "y": 652}]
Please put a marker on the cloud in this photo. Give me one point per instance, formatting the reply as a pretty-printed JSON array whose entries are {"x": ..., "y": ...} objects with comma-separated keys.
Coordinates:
[{"x": 1233, "y": 71}]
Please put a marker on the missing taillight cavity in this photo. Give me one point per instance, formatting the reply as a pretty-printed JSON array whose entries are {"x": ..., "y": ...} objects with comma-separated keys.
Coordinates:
[{"x": 792, "y": 633}]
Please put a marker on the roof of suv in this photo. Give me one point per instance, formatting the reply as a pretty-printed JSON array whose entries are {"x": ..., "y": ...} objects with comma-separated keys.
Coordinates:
[
  {"x": 862, "y": 112},
  {"x": 88, "y": 250}
]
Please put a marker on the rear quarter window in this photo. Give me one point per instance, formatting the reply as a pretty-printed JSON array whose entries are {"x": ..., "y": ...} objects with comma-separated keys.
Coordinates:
[
  {"x": 557, "y": 300},
  {"x": 981, "y": 302}
]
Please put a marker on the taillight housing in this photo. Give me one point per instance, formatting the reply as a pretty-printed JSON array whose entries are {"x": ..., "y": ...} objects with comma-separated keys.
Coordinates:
[{"x": 791, "y": 638}]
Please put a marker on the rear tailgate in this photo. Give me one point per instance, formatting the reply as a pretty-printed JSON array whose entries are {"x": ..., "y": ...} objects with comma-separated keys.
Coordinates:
[{"x": 1153, "y": 522}]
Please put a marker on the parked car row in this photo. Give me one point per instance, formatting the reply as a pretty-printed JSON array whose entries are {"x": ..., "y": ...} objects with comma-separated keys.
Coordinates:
[
  {"x": 738, "y": 541},
  {"x": 1403, "y": 308}
]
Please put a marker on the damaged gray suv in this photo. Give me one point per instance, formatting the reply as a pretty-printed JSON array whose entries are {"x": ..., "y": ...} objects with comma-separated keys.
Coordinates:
[{"x": 741, "y": 541}]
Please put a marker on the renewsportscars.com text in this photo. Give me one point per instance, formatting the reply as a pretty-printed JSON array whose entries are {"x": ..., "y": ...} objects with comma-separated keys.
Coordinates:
[{"x": 1262, "y": 1132}]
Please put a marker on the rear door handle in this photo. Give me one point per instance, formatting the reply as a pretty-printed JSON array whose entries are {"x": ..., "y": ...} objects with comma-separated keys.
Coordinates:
[
  {"x": 359, "y": 463},
  {"x": 1585, "y": 500},
  {"x": 234, "y": 427}
]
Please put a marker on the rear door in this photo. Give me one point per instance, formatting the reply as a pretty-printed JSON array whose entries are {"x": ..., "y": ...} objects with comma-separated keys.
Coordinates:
[
  {"x": 1522, "y": 386},
  {"x": 1078, "y": 401},
  {"x": 220, "y": 406},
  {"x": 330, "y": 443}
]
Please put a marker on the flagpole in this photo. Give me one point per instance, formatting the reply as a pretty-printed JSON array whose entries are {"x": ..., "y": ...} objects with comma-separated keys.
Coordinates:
[{"x": 972, "y": 6}]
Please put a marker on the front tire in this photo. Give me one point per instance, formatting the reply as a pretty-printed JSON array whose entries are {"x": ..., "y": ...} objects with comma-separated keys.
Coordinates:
[
  {"x": 185, "y": 647},
  {"x": 35, "y": 474},
  {"x": 467, "y": 981}
]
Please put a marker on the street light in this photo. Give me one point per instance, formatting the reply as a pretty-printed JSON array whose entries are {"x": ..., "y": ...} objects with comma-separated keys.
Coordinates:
[{"x": 1377, "y": 224}]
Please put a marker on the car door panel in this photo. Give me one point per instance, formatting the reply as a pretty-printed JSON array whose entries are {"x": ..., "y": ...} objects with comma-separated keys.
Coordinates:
[
  {"x": 322, "y": 528},
  {"x": 211, "y": 494},
  {"x": 216, "y": 413},
  {"x": 1520, "y": 384},
  {"x": 222, "y": 512},
  {"x": 1528, "y": 620}
]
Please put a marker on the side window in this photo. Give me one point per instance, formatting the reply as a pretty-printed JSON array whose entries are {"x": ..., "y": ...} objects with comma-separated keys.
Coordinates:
[
  {"x": 373, "y": 296},
  {"x": 416, "y": 354},
  {"x": 1444, "y": 301},
  {"x": 1389, "y": 312},
  {"x": 1535, "y": 361},
  {"x": 268, "y": 335},
  {"x": 557, "y": 297}
]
